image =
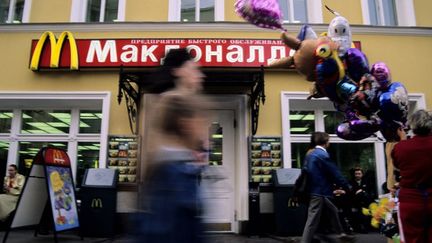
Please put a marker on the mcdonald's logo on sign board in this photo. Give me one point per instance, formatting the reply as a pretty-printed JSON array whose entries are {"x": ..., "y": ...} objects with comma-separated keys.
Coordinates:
[
  {"x": 96, "y": 203},
  {"x": 58, "y": 157},
  {"x": 56, "y": 50}
]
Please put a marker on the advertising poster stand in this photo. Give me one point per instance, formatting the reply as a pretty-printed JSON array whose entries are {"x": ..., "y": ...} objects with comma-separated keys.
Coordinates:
[{"x": 48, "y": 195}]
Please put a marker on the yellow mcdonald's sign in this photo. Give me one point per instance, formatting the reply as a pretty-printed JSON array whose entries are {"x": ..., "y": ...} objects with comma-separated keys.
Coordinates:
[
  {"x": 96, "y": 203},
  {"x": 56, "y": 47}
]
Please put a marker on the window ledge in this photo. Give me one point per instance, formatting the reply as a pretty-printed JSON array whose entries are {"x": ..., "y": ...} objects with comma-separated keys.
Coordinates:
[{"x": 204, "y": 27}]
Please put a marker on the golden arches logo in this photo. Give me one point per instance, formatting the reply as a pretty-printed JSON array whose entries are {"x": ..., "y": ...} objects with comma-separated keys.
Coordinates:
[
  {"x": 56, "y": 47},
  {"x": 96, "y": 203},
  {"x": 58, "y": 157}
]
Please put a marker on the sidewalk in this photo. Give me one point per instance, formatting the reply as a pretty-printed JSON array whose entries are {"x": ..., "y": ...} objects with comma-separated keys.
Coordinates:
[{"x": 26, "y": 235}]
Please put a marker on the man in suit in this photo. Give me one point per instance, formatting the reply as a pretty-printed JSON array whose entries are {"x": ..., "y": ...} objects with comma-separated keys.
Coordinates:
[{"x": 323, "y": 220}]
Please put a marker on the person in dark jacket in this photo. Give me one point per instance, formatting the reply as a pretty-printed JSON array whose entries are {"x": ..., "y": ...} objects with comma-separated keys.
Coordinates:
[
  {"x": 322, "y": 175},
  {"x": 362, "y": 195}
]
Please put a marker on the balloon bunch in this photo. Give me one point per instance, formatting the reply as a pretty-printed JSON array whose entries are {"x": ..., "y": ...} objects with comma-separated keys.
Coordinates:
[{"x": 367, "y": 97}]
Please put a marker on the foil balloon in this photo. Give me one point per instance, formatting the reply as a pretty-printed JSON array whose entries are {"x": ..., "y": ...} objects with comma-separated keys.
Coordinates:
[
  {"x": 393, "y": 104},
  {"x": 357, "y": 64},
  {"x": 262, "y": 13},
  {"x": 357, "y": 129},
  {"x": 382, "y": 74},
  {"x": 340, "y": 32},
  {"x": 329, "y": 69}
]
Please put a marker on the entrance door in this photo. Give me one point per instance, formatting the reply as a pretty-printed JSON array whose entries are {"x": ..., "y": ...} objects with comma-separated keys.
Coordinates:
[{"x": 217, "y": 183}]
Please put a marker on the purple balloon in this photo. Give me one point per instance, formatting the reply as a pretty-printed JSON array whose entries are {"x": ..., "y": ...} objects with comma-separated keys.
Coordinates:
[
  {"x": 382, "y": 74},
  {"x": 357, "y": 129},
  {"x": 262, "y": 13},
  {"x": 357, "y": 64}
]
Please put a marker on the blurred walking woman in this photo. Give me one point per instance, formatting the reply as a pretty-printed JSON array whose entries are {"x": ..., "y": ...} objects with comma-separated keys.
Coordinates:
[
  {"x": 414, "y": 160},
  {"x": 173, "y": 203}
]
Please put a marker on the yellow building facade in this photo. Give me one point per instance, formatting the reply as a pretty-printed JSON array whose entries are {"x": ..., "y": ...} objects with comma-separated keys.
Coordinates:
[{"x": 86, "y": 100}]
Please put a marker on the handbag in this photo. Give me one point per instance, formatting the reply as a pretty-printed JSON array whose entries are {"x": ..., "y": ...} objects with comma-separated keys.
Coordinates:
[{"x": 301, "y": 188}]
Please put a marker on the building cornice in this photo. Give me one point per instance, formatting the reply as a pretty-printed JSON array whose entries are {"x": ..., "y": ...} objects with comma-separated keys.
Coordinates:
[{"x": 200, "y": 27}]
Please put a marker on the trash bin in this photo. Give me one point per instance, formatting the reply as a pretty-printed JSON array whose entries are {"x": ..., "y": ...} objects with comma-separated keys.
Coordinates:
[
  {"x": 98, "y": 202},
  {"x": 290, "y": 217},
  {"x": 254, "y": 212}
]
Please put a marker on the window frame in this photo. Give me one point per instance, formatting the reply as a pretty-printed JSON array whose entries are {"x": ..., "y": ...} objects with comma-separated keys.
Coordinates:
[
  {"x": 26, "y": 12},
  {"x": 174, "y": 11},
  {"x": 405, "y": 14},
  {"x": 417, "y": 101},
  {"x": 314, "y": 12},
  {"x": 79, "y": 11},
  {"x": 57, "y": 100}
]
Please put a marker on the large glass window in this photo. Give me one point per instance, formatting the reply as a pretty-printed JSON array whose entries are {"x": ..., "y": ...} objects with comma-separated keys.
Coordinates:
[
  {"x": 367, "y": 153},
  {"x": 45, "y": 121},
  {"x": 197, "y": 11},
  {"x": 320, "y": 115},
  {"x": 102, "y": 10},
  {"x": 98, "y": 10},
  {"x": 382, "y": 12},
  {"x": 63, "y": 122},
  {"x": 12, "y": 11},
  {"x": 294, "y": 11},
  {"x": 87, "y": 157}
]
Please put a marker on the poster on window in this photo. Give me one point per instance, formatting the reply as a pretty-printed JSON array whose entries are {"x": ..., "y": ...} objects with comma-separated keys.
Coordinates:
[
  {"x": 123, "y": 157},
  {"x": 61, "y": 191},
  {"x": 265, "y": 156}
]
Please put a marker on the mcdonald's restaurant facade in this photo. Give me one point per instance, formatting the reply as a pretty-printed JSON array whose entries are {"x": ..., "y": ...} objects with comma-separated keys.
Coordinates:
[{"x": 82, "y": 87}]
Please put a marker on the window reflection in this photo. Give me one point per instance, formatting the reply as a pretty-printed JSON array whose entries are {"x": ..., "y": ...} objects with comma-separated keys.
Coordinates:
[
  {"x": 93, "y": 10},
  {"x": 302, "y": 122},
  {"x": 45, "y": 121},
  {"x": 88, "y": 157},
  {"x": 5, "y": 121},
  {"x": 4, "y": 149},
  {"x": 216, "y": 141},
  {"x": 111, "y": 10},
  {"x": 28, "y": 150},
  {"x": 187, "y": 11},
  {"x": 332, "y": 119},
  {"x": 90, "y": 121},
  {"x": 207, "y": 10},
  {"x": 299, "y": 10}
]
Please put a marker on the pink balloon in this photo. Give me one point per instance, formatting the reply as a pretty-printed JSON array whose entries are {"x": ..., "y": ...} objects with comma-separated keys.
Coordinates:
[{"x": 262, "y": 13}]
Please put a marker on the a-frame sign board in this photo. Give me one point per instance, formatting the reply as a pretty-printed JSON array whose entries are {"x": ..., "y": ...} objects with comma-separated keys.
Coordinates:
[{"x": 49, "y": 183}]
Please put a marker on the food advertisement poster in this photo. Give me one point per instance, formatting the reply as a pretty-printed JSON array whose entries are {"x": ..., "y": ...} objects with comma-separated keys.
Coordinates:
[
  {"x": 265, "y": 156},
  {"x": 62, "y": 196},
  {"x": 123, "y": 157}
]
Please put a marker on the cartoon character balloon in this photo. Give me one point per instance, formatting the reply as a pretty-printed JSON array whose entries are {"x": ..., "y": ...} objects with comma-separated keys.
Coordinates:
[
  {"x": 366, "y": 96},
  {"x": 262, "y": 13}
]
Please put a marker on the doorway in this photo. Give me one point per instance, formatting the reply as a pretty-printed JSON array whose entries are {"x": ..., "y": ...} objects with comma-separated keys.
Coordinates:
[{"x": 217, "y": 180}]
